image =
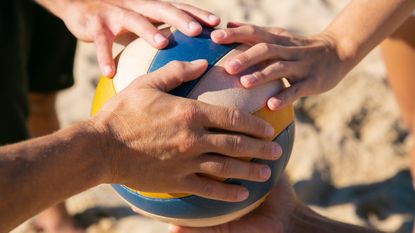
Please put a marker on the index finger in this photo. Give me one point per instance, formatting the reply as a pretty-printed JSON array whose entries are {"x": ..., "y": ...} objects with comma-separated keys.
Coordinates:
[
  {"x": 248, "y": 34},
  {"x": 234, "y": 120},
  {"x": 159, "y": 11}
]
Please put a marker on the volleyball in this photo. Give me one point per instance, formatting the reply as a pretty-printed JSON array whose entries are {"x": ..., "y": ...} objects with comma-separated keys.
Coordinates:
[{"x": 215, "y": 87}]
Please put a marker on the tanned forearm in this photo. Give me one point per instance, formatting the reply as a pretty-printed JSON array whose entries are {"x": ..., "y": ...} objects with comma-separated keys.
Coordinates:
[
  {"x": 306, "y": 220},
  {"x": 365, "y": 23},
  {"x": 38, "y": 173}
]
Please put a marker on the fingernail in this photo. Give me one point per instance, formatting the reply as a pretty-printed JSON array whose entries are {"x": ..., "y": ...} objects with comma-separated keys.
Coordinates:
[
  {"x": 243, "y": 194},
  {"x": 248, "y": 80},
  {"x": 235, "y": 64},
  {"x": 107, "y": 70},
  {"x": 193, "y": 26},
  {"x": 219, "y": 34},
  {"x": 276, "y": 150},
  {"x": 269, "y": 131},
  {"x": 159, "y": 38},
  {"x": 173, "y": 228},
  {"x": 198, "y": 62},
  {"x": 213, "y": 18},
  {"x": 274, "y": 103},
  {"x": 265, "y": 172}
]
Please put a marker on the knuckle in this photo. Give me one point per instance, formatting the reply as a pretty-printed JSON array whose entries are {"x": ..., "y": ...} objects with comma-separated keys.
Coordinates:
[
  {"x": 280, "y": 67},
  {"x": 177, "y": 66},
  {"x": 96, "y": 22},
  {"x": 187, "y": 141},
  {"x": 251, "y": 29},
  {"x": 243, "y": 58},
  {"x": 236, "y": 143},
  {"x": 264, "y": 47},
  {"x": 224, "y": 168},
  {"x": 189, "y": 114},
  {"x": 208, "y": 189},
  {"x": 126, "y": 15},
  {"x": 230, "y": 32},
  {"x": 260, "y": 75},
  {"x": 235, "y": 117}
]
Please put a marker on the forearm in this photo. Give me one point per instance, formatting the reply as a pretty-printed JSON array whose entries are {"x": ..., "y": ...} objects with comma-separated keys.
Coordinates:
[
  {"x": 305, "y": 220},
  {"x": 38, "y": 173},
  {"x": 363, "y": 24}
]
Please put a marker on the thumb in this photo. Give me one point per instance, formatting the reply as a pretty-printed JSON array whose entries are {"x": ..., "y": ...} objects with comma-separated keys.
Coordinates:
[{"x": 175, "y": 73}]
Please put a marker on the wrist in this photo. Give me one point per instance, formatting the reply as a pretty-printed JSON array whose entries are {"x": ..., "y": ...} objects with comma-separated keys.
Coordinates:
[
  {"x": 106, "y": 140},
  {"x": 345, "y": 49},
  {"x": 300, "y": 215},
  {"x": 303, "y": 219},
  {"x": 90, "y": 142}
]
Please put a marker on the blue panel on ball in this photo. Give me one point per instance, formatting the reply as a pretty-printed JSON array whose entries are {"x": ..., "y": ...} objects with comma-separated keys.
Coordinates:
[
  {"x": 184, "y": 48},
  {"x": 192, "y": 207}
]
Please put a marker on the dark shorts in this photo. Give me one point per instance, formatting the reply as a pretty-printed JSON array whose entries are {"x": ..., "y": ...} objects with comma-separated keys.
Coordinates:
[{"x": 37, "y": 53}]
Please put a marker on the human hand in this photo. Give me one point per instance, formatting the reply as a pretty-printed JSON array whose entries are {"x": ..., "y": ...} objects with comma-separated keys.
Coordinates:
[
  {"x": 273, "y": 216},
  {"x": 156, "y": 142},
  {"x": 312, "y": 64},
  {"x": 100, "y": 21}
]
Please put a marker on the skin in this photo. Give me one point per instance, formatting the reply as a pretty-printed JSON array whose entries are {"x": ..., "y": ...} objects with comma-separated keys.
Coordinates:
[
  {"x": 43, "y": 120},
  {"x": 280, "y": 213},
  {"x": 317, "y": 63},
  {"x": 101, "y": 21},
  {"x": 113, "y": 148},
  {"x": 399, "y": 55},
  {"x": 312, "y": 64}
]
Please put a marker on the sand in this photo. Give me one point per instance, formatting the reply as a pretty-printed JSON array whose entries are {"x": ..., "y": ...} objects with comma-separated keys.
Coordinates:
[{"x": 349, "y": 158}]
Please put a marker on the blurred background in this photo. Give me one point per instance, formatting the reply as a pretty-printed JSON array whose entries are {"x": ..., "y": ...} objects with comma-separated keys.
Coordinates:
[{"x": 349, "y": 160}]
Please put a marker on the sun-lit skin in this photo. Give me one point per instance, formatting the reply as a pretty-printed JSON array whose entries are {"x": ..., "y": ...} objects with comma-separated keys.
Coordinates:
[
  {"x": 112, "y": 148},
  {"x": 100, "y": 21},
  {"x": 399, "y": 56},
  {"x": 312, "y": 64}
]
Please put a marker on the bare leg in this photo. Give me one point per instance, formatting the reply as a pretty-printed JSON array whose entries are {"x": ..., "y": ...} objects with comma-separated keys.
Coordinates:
[
  {"x": 399, "y": 56},
  {"x": 43, "y": 120}
]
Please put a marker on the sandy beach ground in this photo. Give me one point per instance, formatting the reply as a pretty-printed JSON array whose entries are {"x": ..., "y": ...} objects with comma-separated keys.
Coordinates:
[{"x": 349, "y": 160}]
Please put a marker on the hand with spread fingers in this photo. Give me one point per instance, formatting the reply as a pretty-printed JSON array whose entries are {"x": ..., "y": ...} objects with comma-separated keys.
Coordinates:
[
  {"x": 312, "y": 64},
  {"x": 143, "y": 138},
  {"x": 100, "y": 21},
  {"x": 175, "y": 133}
]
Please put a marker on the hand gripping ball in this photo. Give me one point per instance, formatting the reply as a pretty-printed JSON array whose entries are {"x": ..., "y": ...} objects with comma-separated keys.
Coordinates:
[{"x": 215, "y": 87}]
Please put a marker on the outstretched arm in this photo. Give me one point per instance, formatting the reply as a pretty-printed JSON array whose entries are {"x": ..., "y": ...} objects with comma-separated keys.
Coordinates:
[
  {"x": 41, "y": 172},
  {"x": 363, "y": 24},
  {"x": 313, "y": 64},
  {"x": 140, "y": 130}
]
